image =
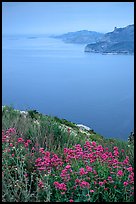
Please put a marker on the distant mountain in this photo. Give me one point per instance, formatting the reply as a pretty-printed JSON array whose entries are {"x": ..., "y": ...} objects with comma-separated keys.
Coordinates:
[
  {"x": 121, "y": 40},
  {"x": 80, "y": 37}
]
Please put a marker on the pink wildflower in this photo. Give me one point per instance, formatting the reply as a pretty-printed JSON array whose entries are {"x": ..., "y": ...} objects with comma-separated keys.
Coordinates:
[
  {"x": 94, "y": 144},
  {"x": 26, "y": 144},
  {"x": 20, "y": 140},
  {"x": 120, "y": 173},
  {"x": 82, "y": 171},
  {"x": 126, "y": 160},
  {"x": 41, "y": 150},
  {"x": 91, "y": 191},
  {"x": 28, "y": 141},
  {"x": 88, "y": 168},
  {"x": 125, "y": 183},
  {"x": 130, "y": 169},
  {"x": 40, "y": 184},
  {"x": 101, "y": 183},
  {"x": 71, "y": 200},
  {"x": 84, "y": 184},
  {"x": 11, "y": 145},
  {"x": 109, "y": 178},
  {"x": 68, "y": 166},
  {"x": 77, "y": 181},
  {"x": 60, "y": 186}
]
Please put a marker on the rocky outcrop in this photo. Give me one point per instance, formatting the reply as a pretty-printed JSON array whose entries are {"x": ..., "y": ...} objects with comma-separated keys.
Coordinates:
[{"x": 120, "y": 41}]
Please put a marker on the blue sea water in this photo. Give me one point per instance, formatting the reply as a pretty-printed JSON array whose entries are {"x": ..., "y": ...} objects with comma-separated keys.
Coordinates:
[{"x": 62, "y": 80}]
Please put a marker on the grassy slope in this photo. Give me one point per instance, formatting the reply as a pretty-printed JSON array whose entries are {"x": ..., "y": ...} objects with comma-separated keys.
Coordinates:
[
  {"x": 55, "y": 134},
  {"x": 22, "y": 181}
]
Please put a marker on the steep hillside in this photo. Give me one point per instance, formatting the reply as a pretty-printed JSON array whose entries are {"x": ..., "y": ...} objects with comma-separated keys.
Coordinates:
[{"x": 121, "y": 40}]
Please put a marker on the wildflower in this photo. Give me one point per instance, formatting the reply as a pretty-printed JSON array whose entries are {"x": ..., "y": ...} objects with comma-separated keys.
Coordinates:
[
  {"x": 71, "y": 200},
  {"x": 88, "y": 168},
  {"x": 41, "y": 168},
  {"x": 91, "y": 191},
  {"x": 60, "y": 186},
  {"x": 26, "y": 144},
  {"x": 87, "y": 143},
  {"x": 11, "y": 145},
  {"x": 40, "y": 184},
  {"x": 11, "y": 130},
  {"x": 106, "y": 148},
  {"x": 120, "y": 173},
  {"x": 125, "y": 183},
  {"x": 56, "y": 183},
  {"x": 130, "y": 169},
  {"x": 68, "y": 167},
  {"x": 94, "y": 172},
  {"x": 101, "y": 183},
  {"x": 47, "y": 154},
  {"x": 82, "y": 171},
  {"x": 94, "y": 144},
  {"x": 116, "y": 153},
  {"x": 109, "y": 178},
  {"x": 104, "y": 156},
  {"x": 84, "y": 184},
  {"x": 126, "y": 160},
  {"x": 20, "y": 140},
  {"x": 77, "y": 181},
  {"x": 41, "y": 150},
  {"x": 28, "y": 141},
  {"x": 12, "y": 155},
  {"x": 115, "y": 148},
  {"x": 38, "y": 160},
  {"x": 104, "y": 181},
  {"x": 131, "y": 177}
]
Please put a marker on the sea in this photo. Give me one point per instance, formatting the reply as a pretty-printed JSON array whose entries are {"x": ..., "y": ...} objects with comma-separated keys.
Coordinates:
[{"x": 60, "y": 79}]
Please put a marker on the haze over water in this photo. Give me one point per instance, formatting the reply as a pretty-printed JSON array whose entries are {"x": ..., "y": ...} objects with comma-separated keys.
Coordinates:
[{"x": 62, "y": 80}]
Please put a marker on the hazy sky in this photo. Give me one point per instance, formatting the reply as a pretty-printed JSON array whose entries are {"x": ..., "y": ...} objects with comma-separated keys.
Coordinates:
[{"x": 61, "y": 17}]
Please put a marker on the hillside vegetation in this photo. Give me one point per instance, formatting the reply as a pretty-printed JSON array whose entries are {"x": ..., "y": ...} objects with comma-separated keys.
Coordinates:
[{"x": 47, "y": 159}]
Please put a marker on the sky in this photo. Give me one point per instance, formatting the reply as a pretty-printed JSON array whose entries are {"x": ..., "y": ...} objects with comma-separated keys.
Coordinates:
[{"x": 63, "y": 17}]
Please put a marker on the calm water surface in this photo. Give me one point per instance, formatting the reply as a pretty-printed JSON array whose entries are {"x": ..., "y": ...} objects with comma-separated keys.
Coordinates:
[{"x": 61, "y": 80}]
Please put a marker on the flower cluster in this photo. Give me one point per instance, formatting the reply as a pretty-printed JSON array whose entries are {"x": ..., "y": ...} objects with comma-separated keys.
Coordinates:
[{"x": 89, "y": 169}]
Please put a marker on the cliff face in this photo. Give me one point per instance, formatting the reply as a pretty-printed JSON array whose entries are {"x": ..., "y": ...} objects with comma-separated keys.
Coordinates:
[{"x": 121, "y": 40}]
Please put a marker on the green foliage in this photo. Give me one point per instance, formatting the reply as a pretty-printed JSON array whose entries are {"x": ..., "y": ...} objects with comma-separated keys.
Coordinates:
[
  {"x": 65, "y": 122},
  {"x": 34, "y": 114},
  {"x": 54, "y": 134}
]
